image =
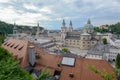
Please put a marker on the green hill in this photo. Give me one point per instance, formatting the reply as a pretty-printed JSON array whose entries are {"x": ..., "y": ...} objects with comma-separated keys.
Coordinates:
[
  {"x": 114, "y": 28},
  {"x": 6, "y": 28}
]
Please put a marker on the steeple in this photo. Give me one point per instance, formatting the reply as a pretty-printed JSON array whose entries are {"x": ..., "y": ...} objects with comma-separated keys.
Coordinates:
[
  {"x": 14, "y": 28},
  {"x": 37, "y": 33},
  {"x": 63, "y": 23},
  {"x": 70, "y": 26},
  {"x": 88, "y": 22},
  {"x": 70, "y": 23}
]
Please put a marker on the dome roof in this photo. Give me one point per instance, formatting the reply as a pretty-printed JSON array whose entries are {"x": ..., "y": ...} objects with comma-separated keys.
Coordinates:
[{"x": 88, "y": 26}]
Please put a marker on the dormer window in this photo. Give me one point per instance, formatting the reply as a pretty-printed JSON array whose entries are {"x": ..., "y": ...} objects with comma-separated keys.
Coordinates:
[
  {"x": 8, "y": 44},
  {"x": 16, "y": 46},
  {"x": 5, "y": 43},
  {"x": 12, "y": 45},
  {"x": 20, "y": 48}
]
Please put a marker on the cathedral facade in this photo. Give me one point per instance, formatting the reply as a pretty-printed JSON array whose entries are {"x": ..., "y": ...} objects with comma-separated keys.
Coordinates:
[{"x": 84, "y": 39}]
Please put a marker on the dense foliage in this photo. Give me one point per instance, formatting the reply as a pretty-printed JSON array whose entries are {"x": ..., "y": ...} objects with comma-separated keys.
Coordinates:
[
  {"x": 117, "y": 63},
  {"x": 105, "y": 75},
  {"x": 104, "y": 41},
  {"x": 65, "y": 50},
  {"x": 9, "y": 68},
  {"x": 45, "y": 75},
  {"x": 6, "y": 28},
  {"x": 1, "y": 39},
  {"x": 114, "y": 28}
]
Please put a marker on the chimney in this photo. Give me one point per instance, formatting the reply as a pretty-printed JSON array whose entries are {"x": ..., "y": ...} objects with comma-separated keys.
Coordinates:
[
  {"x": 31, "y": 55},
  {"x": 71, "y": 75}
]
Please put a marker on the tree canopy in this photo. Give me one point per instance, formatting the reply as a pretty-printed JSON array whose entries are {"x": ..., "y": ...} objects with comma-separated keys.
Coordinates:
[
  {"x": 118, "y": 61},
  {"x": 65, "y": 50},
  {"x": 10, "y": 69},
  {"x": 6, "y": 28},
  {"x": 114, "y": 28},
  {"x": 104, "y": 41}
]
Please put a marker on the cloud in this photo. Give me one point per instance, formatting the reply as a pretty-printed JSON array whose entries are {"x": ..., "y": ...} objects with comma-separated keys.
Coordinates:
[
  {"x": 4, "y": 1},
  {"x": 30, "y": 6},
  {"x": 51, "y": 12}
]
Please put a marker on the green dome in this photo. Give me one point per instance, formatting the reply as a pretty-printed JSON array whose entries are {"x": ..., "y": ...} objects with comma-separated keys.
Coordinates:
[{"x": 88, "y": 26}]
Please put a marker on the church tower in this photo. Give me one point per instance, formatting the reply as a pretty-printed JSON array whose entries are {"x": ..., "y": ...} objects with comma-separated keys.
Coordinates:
[
  {"x": 14, "y": 29},
  {"x": 88, "y": 28},
  {"x": 70, "y": 26},
  {"x": 63, "y": 28},
  {"x": 38, "y": 30},
  {"x": 63, "y": 31}
]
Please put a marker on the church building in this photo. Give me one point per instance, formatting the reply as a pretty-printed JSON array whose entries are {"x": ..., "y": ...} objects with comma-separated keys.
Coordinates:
[{"x": 84, "y": 39}]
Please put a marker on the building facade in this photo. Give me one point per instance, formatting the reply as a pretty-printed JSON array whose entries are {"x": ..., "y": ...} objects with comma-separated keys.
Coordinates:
[{"x": 84, "y": 39}]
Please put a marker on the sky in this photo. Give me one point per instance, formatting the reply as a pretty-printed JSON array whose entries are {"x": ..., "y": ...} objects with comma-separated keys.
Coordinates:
[{"x": 50, "y": 13}]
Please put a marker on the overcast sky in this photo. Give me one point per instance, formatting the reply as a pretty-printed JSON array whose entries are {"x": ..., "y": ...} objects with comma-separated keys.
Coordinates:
[{"x": 50, "y": 13}]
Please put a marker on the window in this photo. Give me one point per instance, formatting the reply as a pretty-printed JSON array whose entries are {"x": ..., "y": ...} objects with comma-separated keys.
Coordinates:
[
  {"x": 88, "y": 42},
  {"x": 83, "y": 42},
  {"x": 68, "y": 61},
  {"x": 16, "y": 46},
  {"x": 8, "y": 44},
  {"x": 12, "y": 45},
  {"x": 92, "y": 42},
  {"x": 5, "y": 43},
  {"x": 20, "y": 48}
]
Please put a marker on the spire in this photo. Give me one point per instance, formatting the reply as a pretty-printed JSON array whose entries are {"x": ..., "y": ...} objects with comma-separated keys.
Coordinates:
[
  {"x": 38, "y": 27},
  {"x": 88, "y": 22},
  {"x": 63, "y": 23},
  {"x": 14, "y": 23},
  {"x": 70, "y": 23},
  {"x": 37, "y": 32},
  {"x": 14, "y": 26},
  {"x": 38, "y": 24}
]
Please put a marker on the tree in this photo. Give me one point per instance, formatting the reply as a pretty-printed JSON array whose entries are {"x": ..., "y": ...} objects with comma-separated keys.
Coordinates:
[
  {"x": 105, "y": 75},
  {"x": 117, "y": 63},
  {"x": 1, "y": 39},
  {"x": 65, "y": 50},
  {"x": 104, "y": 41},
  {"x": 10, "y": 69},
  {"x": 117, "y": 73},
  {"x": 45, "y": 75}
]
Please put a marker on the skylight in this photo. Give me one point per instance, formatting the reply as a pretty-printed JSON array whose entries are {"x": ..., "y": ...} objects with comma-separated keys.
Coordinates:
[{"x": 68, "y": 61}]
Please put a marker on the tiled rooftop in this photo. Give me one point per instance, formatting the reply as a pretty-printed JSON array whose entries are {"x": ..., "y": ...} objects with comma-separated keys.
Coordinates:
[{"x": 53, "y": 61}]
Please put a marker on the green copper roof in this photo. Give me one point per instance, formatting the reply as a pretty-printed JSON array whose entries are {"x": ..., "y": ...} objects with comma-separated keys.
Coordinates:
[{"x": 88, "y": 26}]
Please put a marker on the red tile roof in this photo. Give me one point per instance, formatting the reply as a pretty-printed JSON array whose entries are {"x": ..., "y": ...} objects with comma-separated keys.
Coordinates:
[{"x": 80, "y": 70}]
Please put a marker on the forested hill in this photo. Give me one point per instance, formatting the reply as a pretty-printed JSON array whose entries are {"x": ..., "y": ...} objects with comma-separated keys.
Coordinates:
[
  {"x": 6, "y": 28},
  {"x": 114, "y": 28}
]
